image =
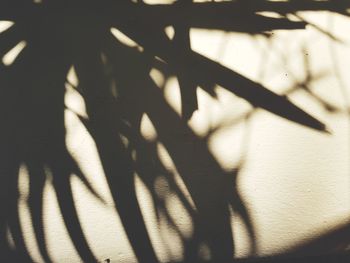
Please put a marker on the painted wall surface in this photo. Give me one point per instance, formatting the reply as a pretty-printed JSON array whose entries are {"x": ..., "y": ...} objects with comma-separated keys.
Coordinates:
[{"x": 293, "y": 181}]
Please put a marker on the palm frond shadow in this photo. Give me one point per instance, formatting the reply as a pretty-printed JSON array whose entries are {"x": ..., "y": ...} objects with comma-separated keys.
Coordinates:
[{"x": 63, "y": 34}]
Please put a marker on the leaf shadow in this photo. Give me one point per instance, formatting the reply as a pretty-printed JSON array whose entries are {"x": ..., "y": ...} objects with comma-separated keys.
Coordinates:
[{"x": 60, "y": 35}]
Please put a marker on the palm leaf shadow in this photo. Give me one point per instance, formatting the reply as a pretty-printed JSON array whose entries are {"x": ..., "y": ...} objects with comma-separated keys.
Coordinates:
[
  {"x": 60, "y": 35},
  {"x": 168, "y": 125}
]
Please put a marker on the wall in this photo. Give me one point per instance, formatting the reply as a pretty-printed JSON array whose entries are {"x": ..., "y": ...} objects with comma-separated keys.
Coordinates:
[{"x": 286, "y": 184}]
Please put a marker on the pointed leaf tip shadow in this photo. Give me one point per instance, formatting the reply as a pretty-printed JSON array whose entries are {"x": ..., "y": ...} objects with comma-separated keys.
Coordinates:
[
  {"x": 253, "y": 92},
  {"x": 78, "y": 172},
  {"x": 88, "y": 185},
  {"x": 204, "y": 70}
]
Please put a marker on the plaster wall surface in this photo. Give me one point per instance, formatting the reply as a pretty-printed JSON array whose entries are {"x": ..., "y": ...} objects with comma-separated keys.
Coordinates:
[{"x": 294, "y": 181}]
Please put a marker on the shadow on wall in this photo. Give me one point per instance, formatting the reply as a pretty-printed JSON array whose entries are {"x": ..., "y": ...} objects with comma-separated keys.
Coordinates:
[{"x": 114, "y": 80}]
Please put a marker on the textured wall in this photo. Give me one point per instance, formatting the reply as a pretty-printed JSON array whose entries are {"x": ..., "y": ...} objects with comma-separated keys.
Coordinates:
[{"x": 293, "y": 181}]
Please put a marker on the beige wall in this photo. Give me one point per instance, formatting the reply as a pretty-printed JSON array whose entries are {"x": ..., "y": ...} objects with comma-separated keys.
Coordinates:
[{"x": 293, "y": 180}]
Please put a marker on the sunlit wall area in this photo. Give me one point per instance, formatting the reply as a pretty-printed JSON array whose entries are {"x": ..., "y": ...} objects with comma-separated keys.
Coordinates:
[
  {"x": 294, "y": 180},
  {"x": 233, "y": 178}
]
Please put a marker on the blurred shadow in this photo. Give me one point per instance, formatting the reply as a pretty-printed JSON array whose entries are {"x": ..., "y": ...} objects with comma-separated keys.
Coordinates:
[{"x": 62, "y": 34}]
